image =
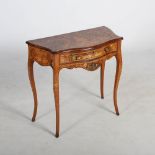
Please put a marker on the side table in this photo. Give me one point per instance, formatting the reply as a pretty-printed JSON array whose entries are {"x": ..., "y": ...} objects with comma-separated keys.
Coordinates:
[{"x": 87, "y": 49}]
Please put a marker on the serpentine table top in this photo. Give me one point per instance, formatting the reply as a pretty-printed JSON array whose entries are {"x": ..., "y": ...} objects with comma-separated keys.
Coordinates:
[{"x": 84, "y": 39}]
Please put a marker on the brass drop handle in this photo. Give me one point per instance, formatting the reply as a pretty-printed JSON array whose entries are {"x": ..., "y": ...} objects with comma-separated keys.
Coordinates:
[
  {"x": 75, "y": 57},
  {"x": 93, "y": 51}
]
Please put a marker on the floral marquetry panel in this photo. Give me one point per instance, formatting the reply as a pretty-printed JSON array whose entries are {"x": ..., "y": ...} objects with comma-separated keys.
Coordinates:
[{"x": 41, "y": 56}]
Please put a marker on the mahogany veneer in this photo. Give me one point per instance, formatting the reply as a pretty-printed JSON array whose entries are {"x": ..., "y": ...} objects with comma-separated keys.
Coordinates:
[{"x": 88, "y": 49}]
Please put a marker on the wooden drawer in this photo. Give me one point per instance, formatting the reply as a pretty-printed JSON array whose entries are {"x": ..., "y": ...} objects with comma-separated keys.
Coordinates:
[
  {"x": 110, "y": 48},
  {"x": 87, "y": 55}
]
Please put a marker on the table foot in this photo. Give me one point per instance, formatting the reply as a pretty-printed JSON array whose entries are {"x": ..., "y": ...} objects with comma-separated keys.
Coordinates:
[
  {"x": 33, "y": 119},
  {"x": 56, "y": 135},
  {"x": 117, "y": 113}
]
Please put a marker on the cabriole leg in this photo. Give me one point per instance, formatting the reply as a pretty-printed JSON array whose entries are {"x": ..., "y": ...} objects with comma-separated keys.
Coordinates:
[
  {"x": 32, "y": 82},
  {"x": 56, "y": 92},
  {"x": 102, "y": 79},
  {"x": 117, "y": 76}
]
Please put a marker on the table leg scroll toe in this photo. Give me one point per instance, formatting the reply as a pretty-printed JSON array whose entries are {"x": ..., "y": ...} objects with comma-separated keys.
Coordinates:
[{"x": 57, "y": 135}]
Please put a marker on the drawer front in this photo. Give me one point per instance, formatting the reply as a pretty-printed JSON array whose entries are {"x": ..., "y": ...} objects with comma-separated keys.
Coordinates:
[
  {"x": 110, "y": 48},
  {"x": 80, "y": 56},
  {"x": 41, "y": 56},
  {"x": 87, "y": 55}
]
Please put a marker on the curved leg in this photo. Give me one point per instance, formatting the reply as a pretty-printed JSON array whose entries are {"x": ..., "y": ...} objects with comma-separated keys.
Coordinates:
[
  {"x": 32, "y": 82},
  {"x": 56, "y": 91},
  {"x": 117, "y": 77},
  {"x": 102, "y": 79}
]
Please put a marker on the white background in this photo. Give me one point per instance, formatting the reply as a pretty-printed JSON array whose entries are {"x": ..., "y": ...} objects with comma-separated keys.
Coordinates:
[{"x": 23, "y": 20}]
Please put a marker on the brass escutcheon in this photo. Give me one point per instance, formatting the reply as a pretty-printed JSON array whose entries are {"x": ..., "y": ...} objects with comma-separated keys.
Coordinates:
[
  {"x": 74, "y": 57},
  {"x": 107, "y": 49}
]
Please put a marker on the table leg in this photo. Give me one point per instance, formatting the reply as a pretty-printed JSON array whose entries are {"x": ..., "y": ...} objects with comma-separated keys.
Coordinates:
[
  {"x": 32, "y": 82},
  {"x": 117, "y": 76},
  {"x": 56, "y": 91},
  {"x": 102, "y": 79}
]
